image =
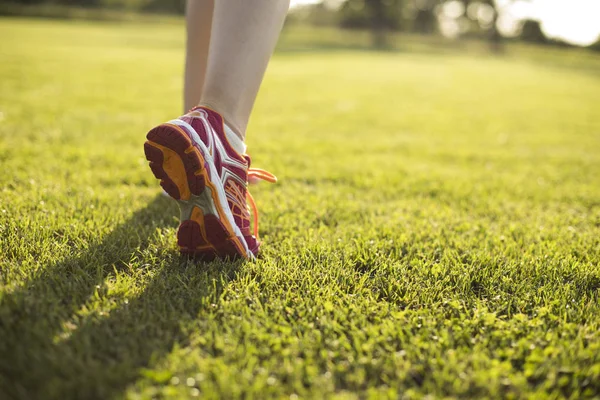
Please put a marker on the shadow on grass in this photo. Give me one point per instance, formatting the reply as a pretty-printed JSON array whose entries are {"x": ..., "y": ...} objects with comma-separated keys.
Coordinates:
[{"x": 46, "y": 351}]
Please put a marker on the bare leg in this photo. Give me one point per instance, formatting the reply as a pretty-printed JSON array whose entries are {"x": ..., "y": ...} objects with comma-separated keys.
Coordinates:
[
  {"x": 243, "y": 36},
  {"x": 199, "y": 14}
]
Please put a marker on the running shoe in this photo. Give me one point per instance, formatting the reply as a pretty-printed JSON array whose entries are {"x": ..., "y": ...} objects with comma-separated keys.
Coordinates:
[{"x": 199, "y": 168}]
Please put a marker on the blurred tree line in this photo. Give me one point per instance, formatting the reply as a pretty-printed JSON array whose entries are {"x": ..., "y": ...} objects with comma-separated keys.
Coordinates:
[
  {"x": 162, "y": 6},
  {"x": 451, "y": 18}
]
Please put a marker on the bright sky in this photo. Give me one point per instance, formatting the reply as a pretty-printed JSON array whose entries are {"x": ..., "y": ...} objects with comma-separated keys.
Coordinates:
[
  {"x": 299, "y": 2},
  {"x": 574, "y": 21}
]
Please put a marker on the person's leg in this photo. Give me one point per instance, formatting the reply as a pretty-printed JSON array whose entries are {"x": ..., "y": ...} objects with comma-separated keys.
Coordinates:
[
  {"x": 243, "y": 36},
  {"x": 199, "y": 14}
]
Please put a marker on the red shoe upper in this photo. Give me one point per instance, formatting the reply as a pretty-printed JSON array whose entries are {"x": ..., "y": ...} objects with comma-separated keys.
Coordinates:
[{"x": 231, "y": 167}]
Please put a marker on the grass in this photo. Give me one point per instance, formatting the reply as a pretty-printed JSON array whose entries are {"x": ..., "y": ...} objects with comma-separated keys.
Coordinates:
[{"x": 435, "y": 230}]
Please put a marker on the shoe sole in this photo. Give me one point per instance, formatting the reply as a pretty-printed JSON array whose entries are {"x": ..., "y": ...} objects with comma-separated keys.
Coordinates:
[{"x": 207, "y": 229}]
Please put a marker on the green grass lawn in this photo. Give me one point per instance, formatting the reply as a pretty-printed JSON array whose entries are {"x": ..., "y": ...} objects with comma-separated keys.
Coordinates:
[{"x": 435, "y": 228}]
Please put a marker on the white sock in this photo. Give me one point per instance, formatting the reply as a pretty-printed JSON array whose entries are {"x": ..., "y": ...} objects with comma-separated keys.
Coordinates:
[{"x": 234, "y": 140}]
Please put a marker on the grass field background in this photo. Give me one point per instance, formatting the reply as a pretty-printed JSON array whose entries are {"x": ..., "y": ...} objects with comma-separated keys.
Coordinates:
[{"x": 435, "y": 228}]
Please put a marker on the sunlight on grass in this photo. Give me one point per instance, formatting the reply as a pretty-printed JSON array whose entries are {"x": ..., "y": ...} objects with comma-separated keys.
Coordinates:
[{"x": 435, "y": 228}]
